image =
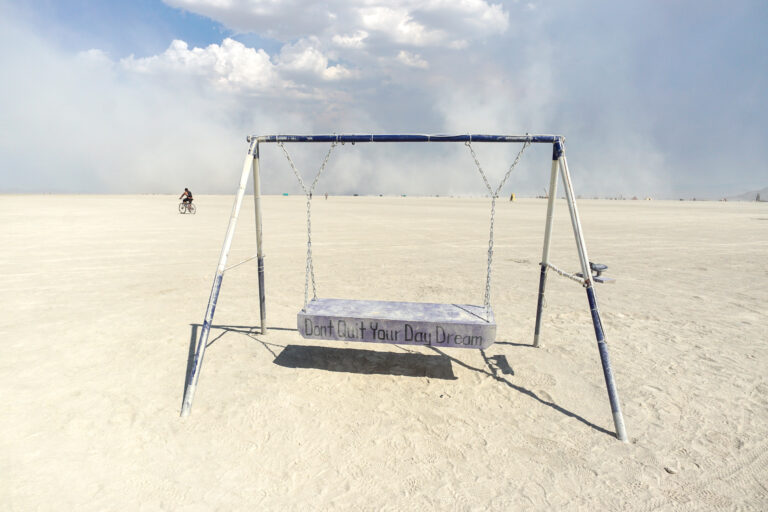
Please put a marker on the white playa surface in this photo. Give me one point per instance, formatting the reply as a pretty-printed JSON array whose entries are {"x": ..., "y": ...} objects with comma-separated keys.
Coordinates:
[{"x": 101, "y": 295}]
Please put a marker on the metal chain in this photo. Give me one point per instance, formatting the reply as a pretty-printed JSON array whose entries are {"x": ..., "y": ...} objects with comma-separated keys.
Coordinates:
[
  {"x": 494, "y": 195},
  {"x": 310, "y": 267}
]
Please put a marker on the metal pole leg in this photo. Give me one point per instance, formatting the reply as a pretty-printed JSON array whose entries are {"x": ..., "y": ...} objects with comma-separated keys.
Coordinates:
[
  {"x": 259, "y": 239},
  {"x": 540, "y": 304},
  {"x": 613, "y": 395},
  {"x": 557, "y": 151},
  {"x": 581, "y": 247},
  {"x": 262, "y": 297},
  {"x": 602, "y": 346},
  {"x": 189, "y": 393}
]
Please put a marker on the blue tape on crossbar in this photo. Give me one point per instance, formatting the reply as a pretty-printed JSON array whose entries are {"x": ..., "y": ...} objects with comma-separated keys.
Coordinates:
[
  {"x": 407, "y": 138},
  {"x": 557, "y": 149}
]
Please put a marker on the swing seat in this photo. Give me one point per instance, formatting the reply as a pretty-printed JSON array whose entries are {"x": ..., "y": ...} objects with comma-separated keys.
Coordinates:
[{"x": 399, "y": 323}]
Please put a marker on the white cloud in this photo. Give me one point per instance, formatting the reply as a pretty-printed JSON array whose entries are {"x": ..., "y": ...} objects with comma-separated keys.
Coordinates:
[
  {"x": 283, "y": 20},
  {"x": 412, "y": 60},
  {"x": 103, "y": 126},
  {"x": 331, "y": 42},
  {"x": 458, "y": 44},
  {"x": 340, "y": 67},
  {"x": 233, "y": 66},
  {"x": 94, "y": 56},
  {"x": 399, "y": 26},
  {"x": 412, "y": 22},
  {"x": 230, "y": 65},
  {"x": 304, "y": 57},
  {"x": 479, "y": 14},
  {"x": 179, "y": 114},
  {"x": 353, "y": 41}
]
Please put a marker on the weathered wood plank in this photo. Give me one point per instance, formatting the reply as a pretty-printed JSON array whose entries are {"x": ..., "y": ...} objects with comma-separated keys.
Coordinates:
[{"x": 401, "y": 323}]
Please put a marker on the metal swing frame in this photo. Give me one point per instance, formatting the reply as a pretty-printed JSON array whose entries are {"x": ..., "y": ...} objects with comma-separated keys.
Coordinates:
[{"x": 559, "y": 166}]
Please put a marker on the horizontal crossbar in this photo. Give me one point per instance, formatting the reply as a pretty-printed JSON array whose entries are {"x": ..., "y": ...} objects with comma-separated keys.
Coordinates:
[{"x": 407, "y": 138}]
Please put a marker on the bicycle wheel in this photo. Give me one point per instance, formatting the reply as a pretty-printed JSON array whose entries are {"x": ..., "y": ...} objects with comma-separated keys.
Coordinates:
[
  {"x": 182, "y": 208},
  {"x": 192, "y": 208}
]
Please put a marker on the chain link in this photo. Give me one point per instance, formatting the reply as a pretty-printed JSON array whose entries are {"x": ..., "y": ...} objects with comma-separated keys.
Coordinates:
[
  {"x": 494, "y": 195},
  {"x": 310, "y": 267}
]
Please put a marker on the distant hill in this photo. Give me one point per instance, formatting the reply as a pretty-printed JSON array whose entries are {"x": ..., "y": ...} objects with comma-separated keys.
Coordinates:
[{"x": 750, "y": 196}]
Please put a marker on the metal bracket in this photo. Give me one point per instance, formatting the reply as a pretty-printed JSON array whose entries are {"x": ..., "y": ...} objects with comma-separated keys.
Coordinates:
[{"x": 597, "y": 273}]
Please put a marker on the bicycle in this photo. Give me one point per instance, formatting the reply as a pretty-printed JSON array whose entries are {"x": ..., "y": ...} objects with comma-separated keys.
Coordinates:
[{"x": 187, "y": 208}]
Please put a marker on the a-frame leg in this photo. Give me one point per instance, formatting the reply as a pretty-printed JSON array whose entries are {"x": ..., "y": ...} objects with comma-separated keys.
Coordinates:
[
  {"x": 259, "y": 239},
  {"x": 602, "y": 346},
  {"x": 557, "y": 150},
  {"x": 189, "y": 392}
]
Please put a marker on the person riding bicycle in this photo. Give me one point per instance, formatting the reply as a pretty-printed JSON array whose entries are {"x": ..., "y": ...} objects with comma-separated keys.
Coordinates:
[{"x": 186, "y": 195}]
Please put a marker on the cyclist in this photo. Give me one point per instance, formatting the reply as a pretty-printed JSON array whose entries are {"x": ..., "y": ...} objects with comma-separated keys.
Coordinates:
[{"x": 187, "y": 196}]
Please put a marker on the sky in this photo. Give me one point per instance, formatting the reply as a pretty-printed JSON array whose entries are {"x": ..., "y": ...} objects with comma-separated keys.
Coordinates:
[{"x": 658, "y": 98}]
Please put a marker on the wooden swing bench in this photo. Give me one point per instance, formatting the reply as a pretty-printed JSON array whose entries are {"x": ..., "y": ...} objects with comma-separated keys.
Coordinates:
[{"x": 401, "y": 323}]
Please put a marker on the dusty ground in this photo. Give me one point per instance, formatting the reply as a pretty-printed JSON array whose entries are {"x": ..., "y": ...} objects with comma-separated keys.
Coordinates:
[{"x": 102, "y": 296}]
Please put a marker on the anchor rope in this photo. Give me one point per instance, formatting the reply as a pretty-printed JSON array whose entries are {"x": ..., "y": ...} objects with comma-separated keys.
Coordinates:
[
  {"x": 563, "y": 273},
  {"x": 494, "y": 196},
  {"x": 242, "y": 262},
  {"x": 310, "y": 267}
]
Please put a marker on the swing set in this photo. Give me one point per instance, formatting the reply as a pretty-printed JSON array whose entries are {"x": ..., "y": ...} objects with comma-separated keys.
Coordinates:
[{"x": 413, "y": 323}]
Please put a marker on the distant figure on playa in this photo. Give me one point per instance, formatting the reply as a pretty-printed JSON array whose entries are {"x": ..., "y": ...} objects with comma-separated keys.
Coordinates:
[
  {"x": 186, "y": 195},
  {"x": 326, "y": 196}
]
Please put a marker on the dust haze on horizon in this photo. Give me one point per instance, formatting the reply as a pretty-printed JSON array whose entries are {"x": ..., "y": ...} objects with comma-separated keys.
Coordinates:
[{"x": 655, "y": 99}]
